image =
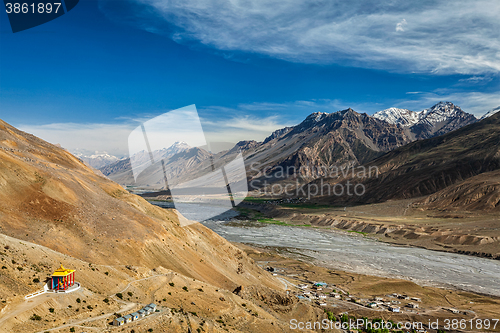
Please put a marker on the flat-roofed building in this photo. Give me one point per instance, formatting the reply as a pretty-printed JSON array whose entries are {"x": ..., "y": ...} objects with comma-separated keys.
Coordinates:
[{"x": 119, "y": 321}]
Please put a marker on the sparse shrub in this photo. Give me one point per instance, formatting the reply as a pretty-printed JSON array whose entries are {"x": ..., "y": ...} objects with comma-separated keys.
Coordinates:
[
  {"x": 19, "y": 268},
  {"x": 72, "y": 329},
  {"x": 170, "y": 293},
  {"x": 119, "y": 295},
  {"x": 185, "y": 288},
  {"x": 199, "y": 289},
  {"x": 89, "y": 307},
  {"x": 13, "y": 262},
  {"x": 51, "y": 310},
  {"x": 36, "y": 280},
  {"x": 35, "y": 317},
  {"x": 331, "y": 316},
  {"x": 78, "y": 300},
  {"x": 150, "y": 330},
  {"x": 171, "y": 284},
  {"x": 130, "y": 293},
  {"x": 107, "y": 273},
  {"x": 4, "y": 267},
  {"x": 106, "y": 301},
  {"x": 244, "y": 304}
]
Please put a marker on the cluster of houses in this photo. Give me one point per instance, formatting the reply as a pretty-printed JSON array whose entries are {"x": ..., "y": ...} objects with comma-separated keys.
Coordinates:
[
  {"x": 147, "y": 310},
  {"x": 392, "y": 305},
  {"x": 321, "y": 292}
]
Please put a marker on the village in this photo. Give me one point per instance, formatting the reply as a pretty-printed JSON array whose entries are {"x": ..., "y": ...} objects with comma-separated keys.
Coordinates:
[{"x": 340, "y": 304}]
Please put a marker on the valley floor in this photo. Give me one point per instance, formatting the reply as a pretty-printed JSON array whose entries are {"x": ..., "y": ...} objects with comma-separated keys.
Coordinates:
[
  {"x": 353, "y": 293},
  {"x": 397, "y": 222}
]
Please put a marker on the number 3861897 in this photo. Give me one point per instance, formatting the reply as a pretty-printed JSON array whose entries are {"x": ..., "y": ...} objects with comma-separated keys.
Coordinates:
[{"x": 25, "y": 8}]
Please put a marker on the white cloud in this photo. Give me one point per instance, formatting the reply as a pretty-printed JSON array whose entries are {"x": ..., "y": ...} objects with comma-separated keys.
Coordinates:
[
  {"x": 400, "y": 26},
  {"x": 459, "y": 37},
  {"x": 111, "y": 138}
]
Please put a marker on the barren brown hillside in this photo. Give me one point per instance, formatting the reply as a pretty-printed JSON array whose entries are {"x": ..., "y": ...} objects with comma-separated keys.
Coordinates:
[
  {"x": 479, "y": 193},
  {"x": 50, "y": 198}
]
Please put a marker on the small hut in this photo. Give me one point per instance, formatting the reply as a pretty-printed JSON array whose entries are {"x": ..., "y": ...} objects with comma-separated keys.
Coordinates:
[{"x": 119, "y": 321}]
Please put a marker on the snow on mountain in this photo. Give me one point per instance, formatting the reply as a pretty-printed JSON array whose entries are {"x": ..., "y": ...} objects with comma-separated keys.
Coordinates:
[
  {"x": 176, "y": 148},
  {"x": 143, "y": 157},
  {"x": 490, "y": 113},
  {"x": 96, "y": 159},
  {"x": 441, "y": 118},
  {"x": 404, "y": 117},
  {"x": 440, "y": 112},
  {"x": 317, "y": 116}
]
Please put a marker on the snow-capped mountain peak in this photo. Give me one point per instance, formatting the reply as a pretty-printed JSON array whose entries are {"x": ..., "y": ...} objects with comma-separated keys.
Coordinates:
[
  {"x": 96, "y": 159},
  {"x": 395, "y": 116},
  {"x": 317, "y": 116},
  {"x": 490, "y": 113},
  {"x": 440, "y": 112}
]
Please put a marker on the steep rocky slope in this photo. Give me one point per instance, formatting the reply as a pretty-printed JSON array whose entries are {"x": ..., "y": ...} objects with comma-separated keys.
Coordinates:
[
  {"x": 49, "y": 198},
  {"x": 322, "y": 141},
  {"x": 478, "y": 193}
]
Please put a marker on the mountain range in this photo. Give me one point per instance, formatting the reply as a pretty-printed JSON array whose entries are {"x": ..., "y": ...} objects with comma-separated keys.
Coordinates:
[
  {"x": 95, "y": 159},
  {"x": 437, "y": 120},
  {"x": 458, "y": 169},
  {"x": 322, "y": 141}
]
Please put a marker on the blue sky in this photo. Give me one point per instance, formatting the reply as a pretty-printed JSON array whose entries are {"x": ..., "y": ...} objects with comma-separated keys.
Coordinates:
[{"x": 86, "y": 79}]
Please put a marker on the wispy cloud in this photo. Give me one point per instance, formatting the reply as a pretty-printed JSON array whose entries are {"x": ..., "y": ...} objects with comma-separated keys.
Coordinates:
[
  {"x": 111, "y": 138},
  {"x": 401, "y": 25},
  {"x": 439, "y": 37}
]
